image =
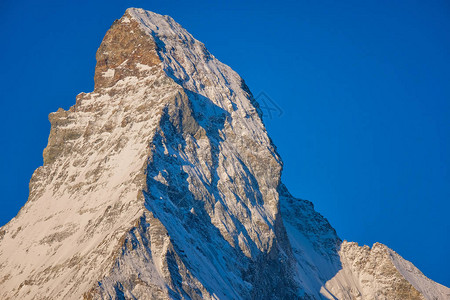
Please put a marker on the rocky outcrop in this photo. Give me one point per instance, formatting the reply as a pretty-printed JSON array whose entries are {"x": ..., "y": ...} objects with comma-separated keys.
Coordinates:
[
  {"x": 380, "y": 273},
  {"x": 163, "y": 184}
]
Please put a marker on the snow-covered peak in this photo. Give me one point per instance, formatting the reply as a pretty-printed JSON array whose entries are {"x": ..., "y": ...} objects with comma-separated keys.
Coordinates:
[
  {"x": 162, "y": 183},
  {"x": 163, "y": 25}
]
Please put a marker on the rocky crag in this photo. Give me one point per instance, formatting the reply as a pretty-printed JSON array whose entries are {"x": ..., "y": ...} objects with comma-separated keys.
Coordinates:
[{"x": 162, "y": 183}]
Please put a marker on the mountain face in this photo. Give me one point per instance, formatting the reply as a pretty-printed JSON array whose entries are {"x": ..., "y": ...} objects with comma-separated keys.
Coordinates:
[{"x": 162, "y": 183}]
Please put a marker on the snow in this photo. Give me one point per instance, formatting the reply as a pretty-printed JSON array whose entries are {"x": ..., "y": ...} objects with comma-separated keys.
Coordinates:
[
  {"x": 143, "y": 67},
  {"x": 109, "y": 73},
  {"x": 170, "y": 174},
  {"x": 379, "y": 272},
  {"x": 79, "y": 189},
  {"x": 427, "y": 287}
]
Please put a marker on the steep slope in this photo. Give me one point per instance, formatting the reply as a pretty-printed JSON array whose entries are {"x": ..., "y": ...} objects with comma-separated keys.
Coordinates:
[{"x": 163, "y": 184}]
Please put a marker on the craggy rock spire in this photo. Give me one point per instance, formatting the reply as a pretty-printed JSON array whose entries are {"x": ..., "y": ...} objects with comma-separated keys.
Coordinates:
[{"x": 162, "y": 183}]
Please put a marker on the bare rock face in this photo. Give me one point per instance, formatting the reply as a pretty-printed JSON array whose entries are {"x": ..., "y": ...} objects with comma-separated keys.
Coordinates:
[
  {"x": 125, "y": 51},
  {"x": 163, "y": 184}
]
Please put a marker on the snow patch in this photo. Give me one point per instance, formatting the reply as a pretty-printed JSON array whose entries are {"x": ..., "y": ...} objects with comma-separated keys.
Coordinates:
[
  {"x": 143, "y": 67},
  {"x": 108, "y": 74}
]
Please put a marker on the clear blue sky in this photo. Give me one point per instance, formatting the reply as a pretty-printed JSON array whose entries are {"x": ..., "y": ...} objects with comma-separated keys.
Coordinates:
[{"x": 364, "y": 87}]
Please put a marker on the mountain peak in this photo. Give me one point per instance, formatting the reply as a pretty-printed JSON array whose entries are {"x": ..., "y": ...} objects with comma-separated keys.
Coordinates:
[
  {"x": 163, "y": 183},
  {"x": 126, "y": 50}
]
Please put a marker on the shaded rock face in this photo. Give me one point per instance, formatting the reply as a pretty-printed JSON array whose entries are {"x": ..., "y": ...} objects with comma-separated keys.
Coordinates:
[{"x": 163, "y": 184}]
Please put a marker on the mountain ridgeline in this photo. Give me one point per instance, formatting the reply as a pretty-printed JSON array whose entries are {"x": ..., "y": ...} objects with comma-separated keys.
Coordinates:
[{"x": 163, "y": 183}]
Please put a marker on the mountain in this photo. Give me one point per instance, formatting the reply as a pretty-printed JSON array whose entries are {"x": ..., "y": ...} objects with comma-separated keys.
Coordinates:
[{"x": 162, "y": 183}]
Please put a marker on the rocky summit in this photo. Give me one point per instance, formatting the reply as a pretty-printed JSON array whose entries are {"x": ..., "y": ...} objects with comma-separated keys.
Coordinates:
[{"x": 162, "y": 183}]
